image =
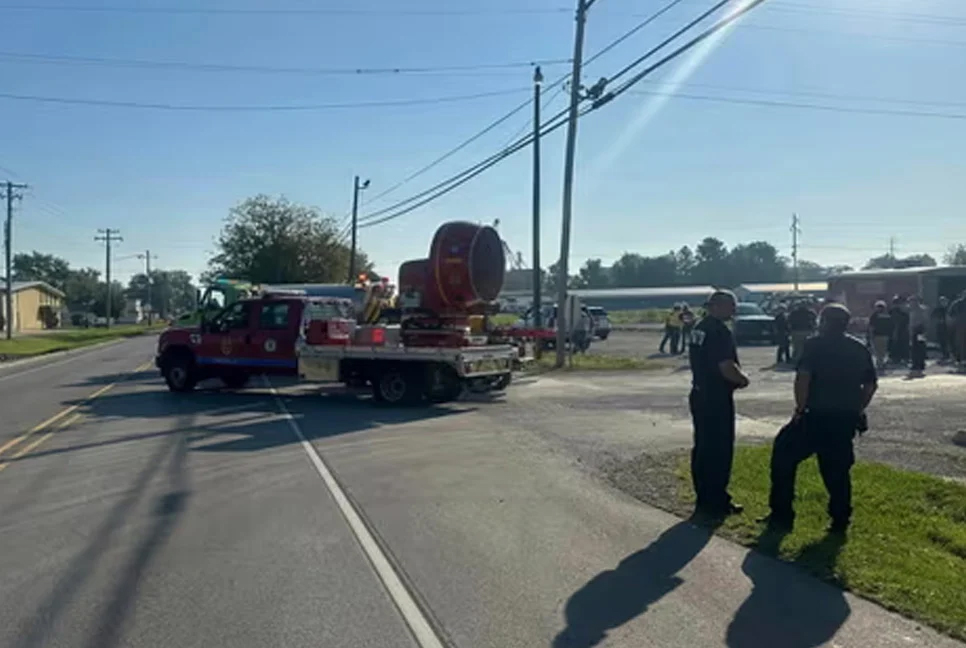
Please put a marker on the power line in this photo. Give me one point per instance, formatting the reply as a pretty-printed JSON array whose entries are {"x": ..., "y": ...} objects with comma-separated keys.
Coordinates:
[
  {"x": 241, "y": 108},
  {"x": 25, "y": 57},
  {"x": 556, "y": 84},
  {"x": 809, "y": 106},
  {"x": 448, "y": 185},
  {"x": 280, "y": 11}
]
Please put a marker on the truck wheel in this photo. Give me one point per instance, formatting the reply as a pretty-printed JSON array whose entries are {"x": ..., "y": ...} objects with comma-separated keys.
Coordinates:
[
  {"x": 396, "y": 386},
  {"x": 235, "y": 380},
  {"x": 179, "y": 372},
  {"x": 444, "y": 385}
]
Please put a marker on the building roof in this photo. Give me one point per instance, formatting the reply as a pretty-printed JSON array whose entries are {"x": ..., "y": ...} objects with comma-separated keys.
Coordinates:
[
  {"x": 876, "y": 273},
  {"x": 805, "y": 287},
  {"x": 18, "y": 286},
  {"x": 600, "y": 293}
]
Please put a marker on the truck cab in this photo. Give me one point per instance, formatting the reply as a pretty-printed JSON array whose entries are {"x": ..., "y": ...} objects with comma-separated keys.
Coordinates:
[{"x": 250, "y": 336}]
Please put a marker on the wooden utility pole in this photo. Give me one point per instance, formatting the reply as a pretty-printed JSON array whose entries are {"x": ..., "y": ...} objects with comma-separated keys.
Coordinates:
[
  {"x": 109, "y": 236},
  {"x": 8, "y": 248},
  {"x": 568, "y": 182},
  {"x": 796, "y": 230},
  {"x": 537, "y": 270},
  {"x": 356, "y": 188}
]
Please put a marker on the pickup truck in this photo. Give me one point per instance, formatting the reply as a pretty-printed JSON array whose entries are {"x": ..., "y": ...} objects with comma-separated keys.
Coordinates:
[{"x": 316, "y": 339}]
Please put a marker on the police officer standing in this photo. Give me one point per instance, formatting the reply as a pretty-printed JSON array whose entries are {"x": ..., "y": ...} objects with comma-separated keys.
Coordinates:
[
  {"x": 835, "y": 382},
  {"x": 716, "y": 374}
]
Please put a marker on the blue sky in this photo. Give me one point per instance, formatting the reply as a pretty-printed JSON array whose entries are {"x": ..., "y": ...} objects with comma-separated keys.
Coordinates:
[{"x": 706, "y": 164}]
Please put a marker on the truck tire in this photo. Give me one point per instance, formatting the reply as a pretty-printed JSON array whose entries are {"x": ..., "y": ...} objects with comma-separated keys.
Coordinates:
[
  {"x": 444, "y": 385},
  {"x": 396, "y": 385},
  {"x": 235, "y": 380},
  {"x": 503, "y": 382},
  {"x": 179, "y": 371}
]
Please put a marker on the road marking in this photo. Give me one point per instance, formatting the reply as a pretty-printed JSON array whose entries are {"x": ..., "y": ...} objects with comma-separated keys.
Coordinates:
[
  {"x": 419, "y": 625},
  {"x": 43, "y": 425},
  {"x": 30, "y": 446}
]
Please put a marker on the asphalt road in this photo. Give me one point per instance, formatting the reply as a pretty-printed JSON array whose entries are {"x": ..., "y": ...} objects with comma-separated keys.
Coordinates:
[{"x": 290, "y": 517}]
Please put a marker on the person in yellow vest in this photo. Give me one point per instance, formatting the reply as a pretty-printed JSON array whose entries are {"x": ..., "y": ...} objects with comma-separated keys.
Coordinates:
[{"x": 672, "y": 330}]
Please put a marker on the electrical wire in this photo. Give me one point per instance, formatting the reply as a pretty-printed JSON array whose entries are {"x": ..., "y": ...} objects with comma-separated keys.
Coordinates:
[
  {"x": 241, "y": 108},
  {"x": 559, "y": 120},
  {"x": 810, "y": 106},
  {"x": 547, "y": 88},
  {"x": 220, "y": 67},
  {"x": 280, "y": 11}
]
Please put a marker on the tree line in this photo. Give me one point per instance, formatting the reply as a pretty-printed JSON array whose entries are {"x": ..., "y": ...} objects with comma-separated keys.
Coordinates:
[
  {"x": 712, "y": 262},
  {"x": 262, "y": 240}
]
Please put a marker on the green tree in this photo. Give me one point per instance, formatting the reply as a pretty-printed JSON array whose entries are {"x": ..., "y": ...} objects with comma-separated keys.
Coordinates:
[
  {"x": 888, "y": 261},
  {"x": 172, "y": 291},
  {"x": 956, "y": 255},
  {"x": 711, "y": 262},
  {"x": 755, "y": 262},
  {"x": 82, "y": 289},
  {"x": 266, "y": 240},
  {"x": 593, "y": 275},
  {"x": 99, "y": 307},
  {"x": 37, "y": 266}
]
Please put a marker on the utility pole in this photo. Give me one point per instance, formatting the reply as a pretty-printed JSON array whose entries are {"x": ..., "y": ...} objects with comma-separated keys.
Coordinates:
[
  {"x": 8, "y": 248},
  {"x": 356, "y": 188},
  {"x": 892, "y": 247},
  {"x": 537, "y": 270},
  {"x": 147, "y": 256},
  {"x": 568, "y": 182},
  {"x": 796, "y": 230},
  {"x": 109, "y": 236}
]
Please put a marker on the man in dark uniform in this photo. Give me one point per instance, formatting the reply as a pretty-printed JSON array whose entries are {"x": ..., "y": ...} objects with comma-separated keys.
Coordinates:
[
  {"x": 782, "y": 335},
  {"x": 835, "y": 382},
  {"x": 716, "y": 374}
]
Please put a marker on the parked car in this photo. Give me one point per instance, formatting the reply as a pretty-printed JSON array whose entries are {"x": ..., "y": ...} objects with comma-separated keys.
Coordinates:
[
  {"x": 753, "y": 324},
  {"x": 548, "y": 320},
  {"x": 600, "y": 321}
]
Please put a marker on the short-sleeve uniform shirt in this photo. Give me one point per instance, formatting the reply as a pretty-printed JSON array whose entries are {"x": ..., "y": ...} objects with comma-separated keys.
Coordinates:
[{"x": 712, "y": 342}]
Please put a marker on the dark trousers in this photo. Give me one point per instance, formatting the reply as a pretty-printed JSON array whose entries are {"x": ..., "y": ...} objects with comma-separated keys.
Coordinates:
[
  {"x": 943, "y": 337},
  {"x": 713, "y": 416},
  {"x": 918, "y": 349},
  {"x": 685, "y": 338},
  {"x": 784, "y": 349},
  {"x": 673, "y": 335},
  {"x": 830, "y": 437},
  {"x": 899, "y": 351}
]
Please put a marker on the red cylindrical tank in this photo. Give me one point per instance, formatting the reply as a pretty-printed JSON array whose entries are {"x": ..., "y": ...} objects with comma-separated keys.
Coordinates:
[{"x": 466, "y": 267}]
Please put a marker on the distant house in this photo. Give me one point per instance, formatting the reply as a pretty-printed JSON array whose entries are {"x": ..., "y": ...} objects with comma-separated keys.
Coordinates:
[{"x": 35, "y": 305}]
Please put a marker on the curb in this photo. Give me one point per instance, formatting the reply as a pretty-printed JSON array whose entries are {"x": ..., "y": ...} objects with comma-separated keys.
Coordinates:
[{"x": 54, "y": 355}]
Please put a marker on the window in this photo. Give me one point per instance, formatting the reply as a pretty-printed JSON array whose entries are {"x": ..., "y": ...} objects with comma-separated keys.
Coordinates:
[
  {"x": 236, "y": 317},
  {"x": 750, "y": 309},
  {"x": 274, "y": 316}
]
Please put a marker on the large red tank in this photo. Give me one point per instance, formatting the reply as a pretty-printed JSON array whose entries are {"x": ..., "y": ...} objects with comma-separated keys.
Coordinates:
[{"x": 465, "y": 270}]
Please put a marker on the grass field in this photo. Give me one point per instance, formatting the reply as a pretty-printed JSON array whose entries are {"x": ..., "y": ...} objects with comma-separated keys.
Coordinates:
[
  {"x": 590, "y": 362},
  {"x": 646, "y": 316},
  {"x": 32, "y": 345},
  {"x": 906, "y": 549}
]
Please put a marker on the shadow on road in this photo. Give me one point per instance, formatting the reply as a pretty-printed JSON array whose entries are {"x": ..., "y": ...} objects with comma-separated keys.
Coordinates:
[
  {"x": 787, "y": 607},
  {"x": 80, "y": 569},
  {"x": 614, "y": 597},
  {"x": 252, "y": 421}
]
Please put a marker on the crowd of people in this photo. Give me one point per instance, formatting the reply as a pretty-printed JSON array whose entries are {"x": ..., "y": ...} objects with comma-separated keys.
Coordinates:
[
  {"x": 678, "y": 325},
  {"x": 897, "y": 333}
]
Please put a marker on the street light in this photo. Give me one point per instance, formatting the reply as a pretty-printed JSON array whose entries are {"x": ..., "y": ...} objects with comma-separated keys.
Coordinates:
[{"x": 356, "y": 188}]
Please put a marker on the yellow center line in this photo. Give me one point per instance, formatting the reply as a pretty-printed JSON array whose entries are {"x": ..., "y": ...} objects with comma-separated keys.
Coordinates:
[{"x": 43, "y": 425}]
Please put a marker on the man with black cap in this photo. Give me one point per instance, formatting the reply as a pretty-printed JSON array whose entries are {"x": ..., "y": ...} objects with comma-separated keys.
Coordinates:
[
  {"x": 716, "y": 374},
  {"x": 835, "y": 382}
]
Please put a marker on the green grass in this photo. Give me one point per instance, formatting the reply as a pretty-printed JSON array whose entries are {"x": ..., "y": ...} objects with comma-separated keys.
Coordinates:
[
  {"x": 591, "y": 362},
  {"x": 504, "y": 319},
  {"x": 32, "y": 345},
  {"x": 646, "y": 316},
  {"x": 906, "y": 549}
]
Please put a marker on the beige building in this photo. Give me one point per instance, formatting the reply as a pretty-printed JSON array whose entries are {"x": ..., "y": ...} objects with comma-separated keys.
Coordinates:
[{"x": 31, "y": 301}]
